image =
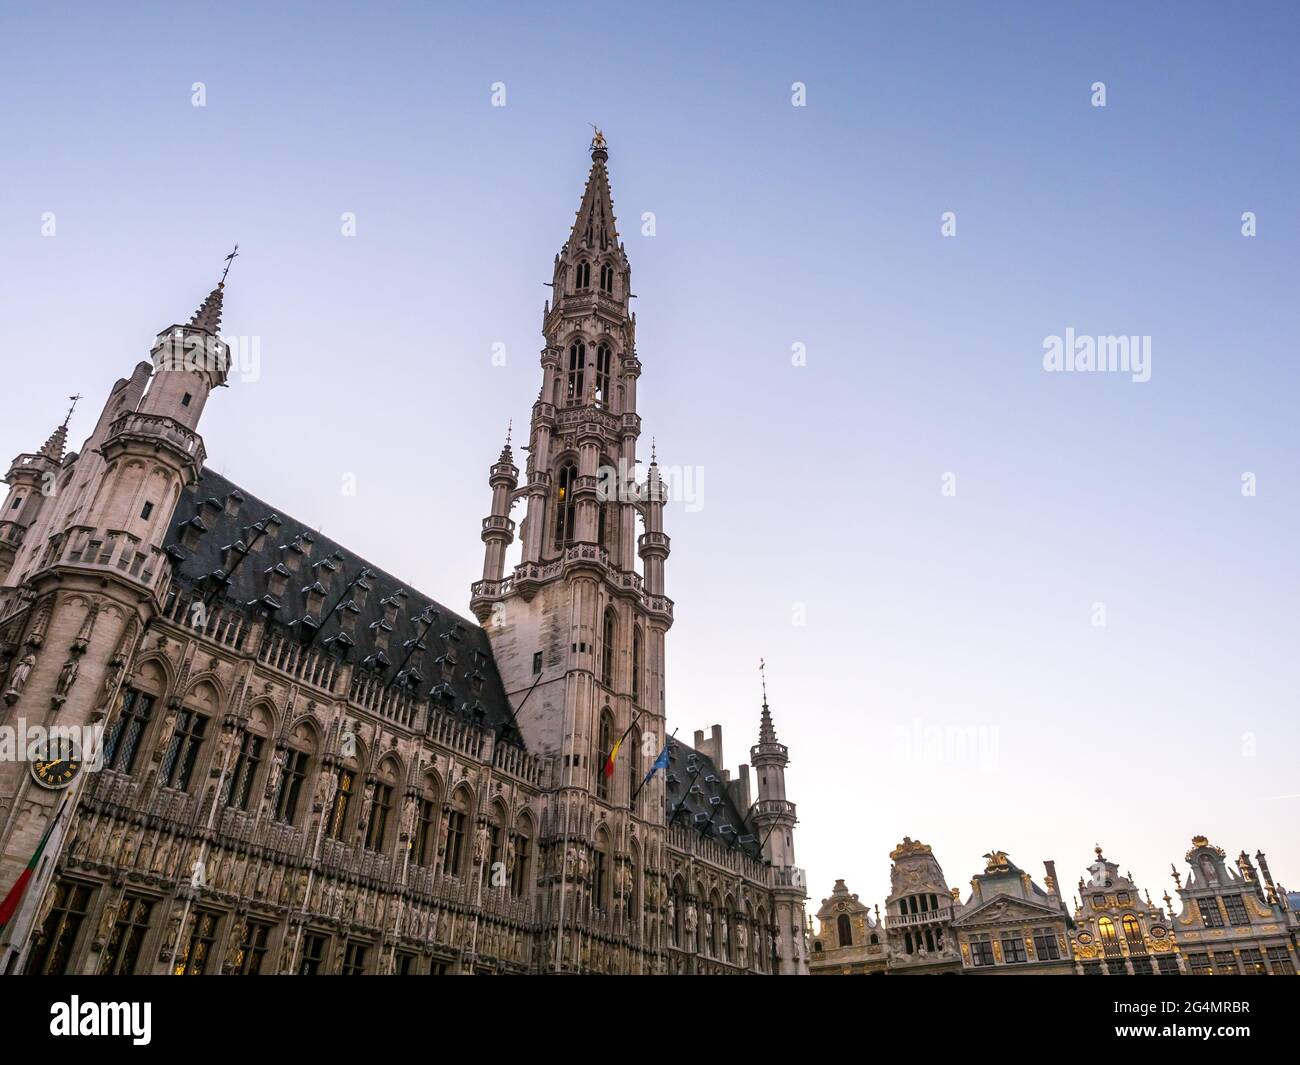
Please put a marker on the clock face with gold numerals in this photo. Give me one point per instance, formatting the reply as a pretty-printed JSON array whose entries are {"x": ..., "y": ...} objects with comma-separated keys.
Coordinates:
[{"x": 56, "y": 772}]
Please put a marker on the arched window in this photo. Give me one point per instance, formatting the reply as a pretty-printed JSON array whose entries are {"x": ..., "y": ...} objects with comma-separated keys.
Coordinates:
[
  {"x": 583, "y": 275},
  {"x": 600, "y": 873},
  {"x": 1106, "y": 927},
  {"x": 381, "y": 806},
  {"x": 604, "y": 363},
  {"x": 564, "y": 505},
  {"x": 576, "y": 391},
  {"x": 425, "y": 844},
  {"x": 606, "y": 741},
  {"x": 634, "y": 772},
  {"x": 726, "y": 927},
  {"x": 338, "y": 813},
  {"x": 183, "y": 751},
  {"x": 636, "y": 665},
  {"x": 455, "y": 851},
  {"x": 122, "y": 738},
  {"x": 844, "y": 930},
  {"x": 712, "y": 926},
  {"x": 607, "y": 649},
  {"x": 248, "y": 759},
  {"x": 288, "y": 789},
  {"x": 1132, "y": 930},
  {"x": 606, "y": 278}
]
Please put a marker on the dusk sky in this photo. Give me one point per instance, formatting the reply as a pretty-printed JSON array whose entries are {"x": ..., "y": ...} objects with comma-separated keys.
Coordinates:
[{"x": 898, "y": 622}]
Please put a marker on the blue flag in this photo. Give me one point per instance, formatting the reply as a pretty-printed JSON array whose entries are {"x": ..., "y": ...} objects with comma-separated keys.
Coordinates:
[{"x": 660, "y": 763}]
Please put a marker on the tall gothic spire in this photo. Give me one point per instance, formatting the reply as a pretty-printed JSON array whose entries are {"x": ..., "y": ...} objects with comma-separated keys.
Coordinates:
[
  {"x": 53, "y": 447},
  {"x": 208, "y": 316},
  {"x": 766, "y": 730},
  {"x": 594, "y": 227}
]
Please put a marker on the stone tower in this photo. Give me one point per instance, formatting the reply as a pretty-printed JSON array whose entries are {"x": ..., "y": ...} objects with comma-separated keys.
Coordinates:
[
  {"x": 774, "y": 819},
  {"x": 91, "y": 572},
  {"x": 32, "y": 478},
  {"x": 577, "y": 631}
]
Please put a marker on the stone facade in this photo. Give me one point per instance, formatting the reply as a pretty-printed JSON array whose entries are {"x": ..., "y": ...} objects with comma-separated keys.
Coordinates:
[
  {"x": 1232, "y": 922},
  {"x": 308, "y": 768}
]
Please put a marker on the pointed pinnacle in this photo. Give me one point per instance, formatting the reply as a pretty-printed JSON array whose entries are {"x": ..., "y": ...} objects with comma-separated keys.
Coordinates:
[
  {"x": 53, "y": 447},
  {"x": 208, "y": 316}
]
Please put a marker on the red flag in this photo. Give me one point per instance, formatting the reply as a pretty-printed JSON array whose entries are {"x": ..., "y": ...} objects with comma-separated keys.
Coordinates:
[{"x": 10, "y": 905}]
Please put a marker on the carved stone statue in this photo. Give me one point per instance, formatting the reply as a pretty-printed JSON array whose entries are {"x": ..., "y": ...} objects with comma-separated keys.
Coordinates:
[
  {"x": 18, "y": 680},
  {"x": 408, "y": 819},
  {"x": 742, "y": 944},
  {"x": 237, "y": 936},
  {"x": 111, "y": 676},
  {"x": 67, "y": 677},
  {"x": 690, "y": 918},
  {"x": 510, "y": 854},
  {"x": 325, "y": 784},
  {"x": 672, "y": 921},
  {"x": 106, "y": 920},
  {"x": 481, "y": 839}
]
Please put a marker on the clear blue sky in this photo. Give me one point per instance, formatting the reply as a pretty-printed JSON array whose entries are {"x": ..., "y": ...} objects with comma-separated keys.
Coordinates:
[{"x": 776, "y": 225}]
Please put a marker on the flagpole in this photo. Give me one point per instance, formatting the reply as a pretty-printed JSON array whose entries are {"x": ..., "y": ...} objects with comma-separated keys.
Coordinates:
[
  {"x": 24, "y": 905},
  {"x": 653, "y": 770}
]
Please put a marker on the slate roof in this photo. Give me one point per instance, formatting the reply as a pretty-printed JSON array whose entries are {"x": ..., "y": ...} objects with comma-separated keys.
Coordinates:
[
  {"x": 327, "y": 566},
  {"x": 693, "y": 781}
]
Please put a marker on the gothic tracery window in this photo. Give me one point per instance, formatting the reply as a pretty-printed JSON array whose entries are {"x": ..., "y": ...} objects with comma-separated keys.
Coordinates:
[
  {"x": 606, "y": 278},
  {"x": 564, "y": 510},
  {"x": 606, "y": 743},
  {"x": 342, "y": 800},
  {"x": 604, "y": 363},
  {"x": 575, "y": 390},
  {"x": 607, "y": 649},
  {"x": 583, "y": 275},
  {"x": 636, "y": 665}
]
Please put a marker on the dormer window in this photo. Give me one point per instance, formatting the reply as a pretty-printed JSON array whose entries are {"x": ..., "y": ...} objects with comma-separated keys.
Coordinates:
[
  {"x": 582, "y": 275},
  {"x": 607, "y": 278}
]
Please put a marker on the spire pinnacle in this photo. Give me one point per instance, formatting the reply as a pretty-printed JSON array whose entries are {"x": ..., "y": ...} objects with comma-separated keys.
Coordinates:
[
  {"x": 766, "y": 730},
  {"x": 53, "y": 447},
  {"x": 594, "y": 226},
  {"x": 208, "y": 316}
]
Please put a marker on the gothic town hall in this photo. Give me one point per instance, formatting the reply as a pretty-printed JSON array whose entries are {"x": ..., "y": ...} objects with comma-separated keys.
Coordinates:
[{"x": 309, "y": 768}]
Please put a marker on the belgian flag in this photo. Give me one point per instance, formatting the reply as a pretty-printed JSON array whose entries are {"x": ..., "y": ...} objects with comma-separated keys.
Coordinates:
[{"x": 10, "y": 905}]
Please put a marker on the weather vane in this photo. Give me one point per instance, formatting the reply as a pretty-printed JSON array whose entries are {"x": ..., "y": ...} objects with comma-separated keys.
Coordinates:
[
  {"x": 762, "y": 672},
  {"x": 598, "y": 138},
  {"x": 72, "y": 408},
  {"x": 229, "y": 261}
]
